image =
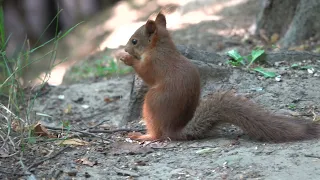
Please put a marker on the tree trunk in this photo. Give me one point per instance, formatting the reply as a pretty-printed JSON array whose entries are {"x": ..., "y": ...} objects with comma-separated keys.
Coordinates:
[{"x": 294, "y": 20}]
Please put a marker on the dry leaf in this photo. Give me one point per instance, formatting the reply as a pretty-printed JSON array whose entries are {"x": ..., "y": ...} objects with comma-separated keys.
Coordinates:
[
  {"x": 274, "y": 38},
  {"x": 299, "y": 48},
  {"x": 15, "y": 125},
  {"x": 74, "y": 141},
  {"x": 68, "y": 110},
  {"x": 40, "y": 130},
  {"x": 263, "y": 35},
  {"x": 108, "y": 100},
  {"x": 85, "y": 161},
  {"x": 111, "y": 99}
]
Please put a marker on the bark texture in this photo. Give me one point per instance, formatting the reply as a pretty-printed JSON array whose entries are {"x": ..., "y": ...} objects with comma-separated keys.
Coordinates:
[{"x": 294, "y": 20}]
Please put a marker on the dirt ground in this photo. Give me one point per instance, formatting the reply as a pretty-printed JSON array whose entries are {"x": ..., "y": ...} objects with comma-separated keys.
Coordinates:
[
  {"x": 225, "y": 157},
  {"x": 100, "y": 105}
]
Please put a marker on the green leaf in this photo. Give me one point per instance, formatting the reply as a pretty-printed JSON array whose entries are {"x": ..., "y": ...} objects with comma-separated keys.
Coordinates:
[
  {"x": 237, "y": 58},
  {"x": 306, "y": 67},
  {"x": 295, "y": 65},
  {"x": 265, "y": 73},
  {"x": 234, "y": 63},
  {"x": 292, "y": 106},
  {"x": 2, "y": 30},
  {"x": 254, "y": 55},
  {"x": 234, "y": 54}
]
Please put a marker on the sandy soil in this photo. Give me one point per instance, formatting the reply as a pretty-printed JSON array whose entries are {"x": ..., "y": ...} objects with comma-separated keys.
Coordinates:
[{"x": 229, "y": 156}]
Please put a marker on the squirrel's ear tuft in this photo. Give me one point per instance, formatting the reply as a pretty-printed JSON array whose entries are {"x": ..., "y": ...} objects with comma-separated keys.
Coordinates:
[
  {"x": 161, "y": 20},
  {"x": 150, "y": 27}
]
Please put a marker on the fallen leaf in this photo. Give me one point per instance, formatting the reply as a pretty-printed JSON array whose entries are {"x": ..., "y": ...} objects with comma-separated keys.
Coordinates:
[
  {"x": 299, "y": 48},
  {"x": 111, "y": 99},
  {"x": 15, "y": 125},
  {"x": 263, "y": 35},
  {"x": 74, "y": 141},
  {"x": 40, "y": 130},
  {"x": 274, "y": 38},
  {"x": 107, "y": 99},
  {"x": 85, "y": 161},
  {"x": 68, "y": 110},
  {"x": 266, "y": 74}
]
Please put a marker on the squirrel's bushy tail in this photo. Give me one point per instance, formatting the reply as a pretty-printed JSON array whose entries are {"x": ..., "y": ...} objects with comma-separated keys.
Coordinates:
[{"x": 225, "y": 107}]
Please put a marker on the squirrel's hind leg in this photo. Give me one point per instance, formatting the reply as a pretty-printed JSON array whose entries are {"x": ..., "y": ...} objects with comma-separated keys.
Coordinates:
[
  {"x": 141, "y": 137},
  {"x": 154, "y": 131}
]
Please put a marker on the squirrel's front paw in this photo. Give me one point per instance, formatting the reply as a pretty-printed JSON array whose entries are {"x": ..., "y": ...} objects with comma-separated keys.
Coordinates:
[{"x": 126, "y": 58}]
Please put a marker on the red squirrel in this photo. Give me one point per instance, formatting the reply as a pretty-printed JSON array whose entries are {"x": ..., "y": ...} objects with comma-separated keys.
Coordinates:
[{"x": 172, "y": 107}]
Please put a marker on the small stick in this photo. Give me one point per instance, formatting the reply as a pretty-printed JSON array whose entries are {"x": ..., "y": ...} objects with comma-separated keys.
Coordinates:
[
  {"x": 311, "y": 155},
  {"x": 115, "y": 130},
  {"x": 95, "y": 130},
  {"x": 98, "y": 124},
  {"x": 13, "y": 173},
  {"x": 30, "y": 175}
]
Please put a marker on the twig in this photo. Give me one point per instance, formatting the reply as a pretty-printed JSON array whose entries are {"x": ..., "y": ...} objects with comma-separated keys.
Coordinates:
[
  {"x": 163, "y": 147},
  {"x": 48, "y": 158},
  {"x": 115, "y": 130},
  {"x": 85, "y": 134},
  {"x": 30, "y": 175},
  {"x": 89, "y": 131},
  {"x": 98, "y": 124},
  {"x": 189, "y": 147},
  {"x": 8, "y": 118},
  {"x": 3, "y": 140},
  {"x": 13, "y": 173},
  {"x": 311, "y": 155},
  {"x": 9, "y": 155}
]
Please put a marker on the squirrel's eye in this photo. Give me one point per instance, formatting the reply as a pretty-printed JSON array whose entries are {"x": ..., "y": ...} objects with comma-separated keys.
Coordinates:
[{"x": 134, "y": 41}]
